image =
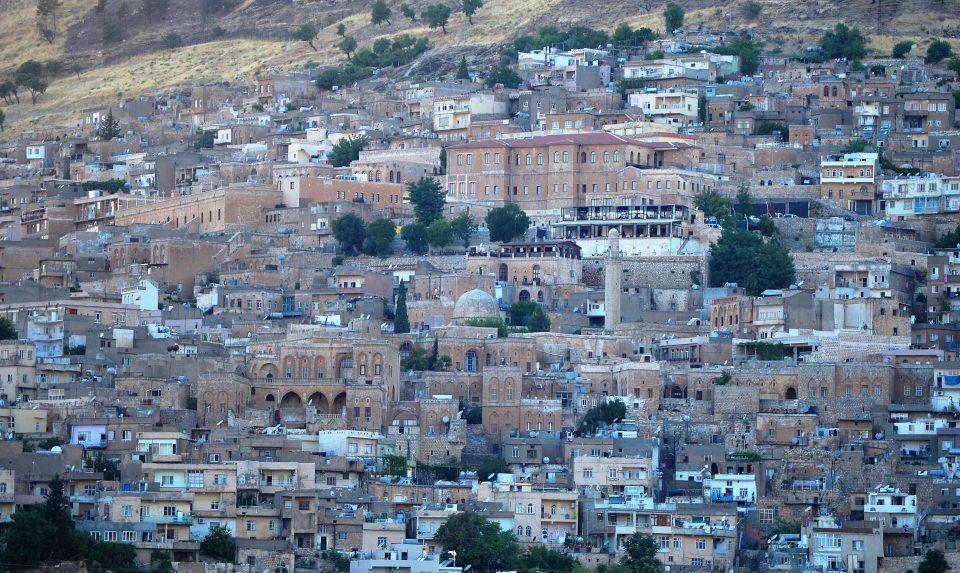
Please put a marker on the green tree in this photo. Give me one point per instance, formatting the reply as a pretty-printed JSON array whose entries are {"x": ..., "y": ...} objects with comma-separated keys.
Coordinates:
[
  {"x": 673, "y": 17},
  {"x": 348, "y": 45},
  {"x": 110, "y": 468},
  {"x": 27, "y": 540},
  {"x": 947, "y": 241},
  {"x": 843, "y": 42},
  {"x": 434, "y": 357},
  {"x": 379, "y": 237},
  {"x": 8, "y": 91},
  {"x": 463, "y": 73},
  {"x": 3, "y": 119},
  {"x": 953, "y": 65},
  {"x": 346, "y": 151},
  {"x": 205, "y": 140},
  {"x": 436, "y": 16},
  {"x": 36, "y": 85},
  {"x": 507, "y": 222},
  {"x": 415, "y": 236},
  {"x": 462, "y": 227},
  {"x": 47, "y": 19},
  {"x": 901, "y": 49},
  {"x": 713, "y": 204},
  {"x": 341, "y": 29},
  {"x": 109, "y": 127},
  {"x": 379, "y": 12},
  {"x": 540, "y": 558},
  {"x": 744, "y": 258},
  {"x": 539, "y": 321},
  {"x": 428, "y": 199},
  {"x": 744, "y": 206},
  {"x": 938, "y": 50},
  {"x": 408, "y": 12},
  {"x": 767, "y": 226},
  {"x": 747, "y": 50},
  {"x": 107, "y": 555},
  {"x": 417, "y": 360},
  {"x": 490, "y": 466},
  {"x": 505, "y": 76},
  {"x": 603, "y": 414},
  {"x": 160, "y": 561},
  {"x": 7, "y": 330},
  {"x": 220, "y": 545},
  {"x": 470, "y": 8},
  {"x": 112, "y": 29},
  {"x": 401, "y": 322},
  {"x": 752, "y": 9},
  {"x": 933, "y": 562},
  {"x": 624, "y": 35},
  {"x": 350, "y": 232},
  {"x": 641, "y": 554},
  {"x": 478, "y": 541},
  {"x": 439, "y": 234},
  {"x": 306, "y": 32}
]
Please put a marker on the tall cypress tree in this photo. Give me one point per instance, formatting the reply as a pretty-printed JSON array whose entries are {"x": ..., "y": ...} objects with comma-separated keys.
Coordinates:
[
  {"x": 434, "y": 354},
  {"x": 401, "y": 323}
]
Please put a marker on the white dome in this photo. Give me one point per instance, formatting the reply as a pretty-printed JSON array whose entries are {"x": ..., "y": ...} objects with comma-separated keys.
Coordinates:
[{"x": 476, "y": 304}]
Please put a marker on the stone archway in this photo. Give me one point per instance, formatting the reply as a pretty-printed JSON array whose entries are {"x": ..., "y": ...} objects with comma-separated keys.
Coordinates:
[
  {"x": 291, "y": 400},
  {"x": 319, "y": 402}
]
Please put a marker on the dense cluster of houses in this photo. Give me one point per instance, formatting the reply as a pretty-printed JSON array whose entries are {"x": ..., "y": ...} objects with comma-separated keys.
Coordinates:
[{"x": 194, "y": 349}]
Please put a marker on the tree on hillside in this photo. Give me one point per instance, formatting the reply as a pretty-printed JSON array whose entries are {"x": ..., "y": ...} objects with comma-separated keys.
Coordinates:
[
  {"x": 541, "y": 558},
  {"x": 306, "y": 32},
  {"x": 641, "y": 554},
  {"x": 539, "y": 321},
  {"x": 462, "y": 227},
  {"x": 470, "y": 8},
  {"x": 938, "y": 50},
  {"x": 745, "y": 258},
  {"x": 401, "y": 322},
  {"x": 934, "y": 562},
  {"x": 220, "y": 545},
  {"x": 463, "y": 73},
  {"x": 205, "y": 140},
  {"x": 350, "y": 232},
  {"x": 478, "y": 541},
  {"x": 752, "y": 9},
  {"x": 713, "y": 204},
  {"x": 112, "y": 29},
  {"x": 3, "y": 119},
  {"x": 507, "y": 222},
  {"x": 7, "y": 330},
  {"x": 901, "y": 49},
  {"x": 341, "y": 29},
  {"x": 624, "y": 35},
  {"x": 109, "y": 127},
  {"x": 379, "y": 12},
  {"x": 603, "y": 414},
  {"x": 380, "y": 235},
  {"x": 439, "y": 234},
  {"x": 8, "y": 91},
  {"x": 747, "y": 50},
  {"x": 428, "y": 199},
  {"x": 415, "y": 236},
  {"x": 346, "y": 151},
  {"x": 744, "y": 205},
  {"x": 436, "y": 16},
  {"x": 843, "y": 42},
  {"x": 673, "y": 17},
  {"x": 347, "y": 45},
  {"x": 408, "y": 12},
  {"x": 47, "y": 19},
  {"x": 505, "y": 76}
]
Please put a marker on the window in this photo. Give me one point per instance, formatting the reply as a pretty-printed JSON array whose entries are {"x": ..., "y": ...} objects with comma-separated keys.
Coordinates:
[
  {"x": 701, "y": 544},
  {"x": 251, "y": 525},
  {"x": 126, "y": 510}
]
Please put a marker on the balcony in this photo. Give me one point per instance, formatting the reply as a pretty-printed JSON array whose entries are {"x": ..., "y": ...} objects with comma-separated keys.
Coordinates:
[{"x": 179, "y": 519}]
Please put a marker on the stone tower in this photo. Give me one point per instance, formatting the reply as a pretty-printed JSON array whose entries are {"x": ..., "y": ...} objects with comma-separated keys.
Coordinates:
[{"x": 613, "y": 281}]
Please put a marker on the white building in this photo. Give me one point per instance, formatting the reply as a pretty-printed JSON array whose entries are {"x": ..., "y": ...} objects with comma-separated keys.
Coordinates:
[
  {"x": 926, "y": 194},
  {"x": 668, "y": 107},
  {"x": 349, "y": 443},
  {"x": 946, "y": 387},
  {"x": 892, "y": 509},
  {"x": 145, "y": 296},
  {"x": 737, "y": 488}
]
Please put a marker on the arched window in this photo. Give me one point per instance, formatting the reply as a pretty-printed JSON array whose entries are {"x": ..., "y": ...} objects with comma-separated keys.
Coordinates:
[
  {"x": 524, "y": 294},
  {"x": 527, "y": 159},
  {"x": 539, "y": 159},
  {"x": 540, "y": 296},
  {"x": 529, "y": 531},
  {"x": 593, "y": 157},
  {"x": 556, "y": 157}
]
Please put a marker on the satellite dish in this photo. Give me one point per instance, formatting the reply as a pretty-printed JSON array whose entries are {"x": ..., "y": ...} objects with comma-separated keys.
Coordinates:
[
  {"x": 546, "y": 460},
  {"x": 446, "y": 419},
  {"x": 56, "y": 450}
]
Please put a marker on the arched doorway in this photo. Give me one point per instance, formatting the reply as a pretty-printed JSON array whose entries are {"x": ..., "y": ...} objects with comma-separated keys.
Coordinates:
[
  {"x": 791, "y": 393},
  {"x": 291, "y": 400},
  {"x": 524, "y": 295},
  {"x": 502, "y": 273},
  {"x": 319, "y": 402}
]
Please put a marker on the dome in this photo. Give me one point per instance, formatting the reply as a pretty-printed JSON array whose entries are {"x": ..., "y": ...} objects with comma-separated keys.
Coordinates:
[{"x": 476, "y": 304}]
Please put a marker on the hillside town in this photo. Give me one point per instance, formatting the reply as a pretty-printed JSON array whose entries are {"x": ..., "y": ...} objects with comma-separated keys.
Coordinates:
[{"x": 657, "y": 303}]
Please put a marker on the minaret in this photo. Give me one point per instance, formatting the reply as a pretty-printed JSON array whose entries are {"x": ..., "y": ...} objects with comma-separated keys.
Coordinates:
[{"x": 613, "y": 281}]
